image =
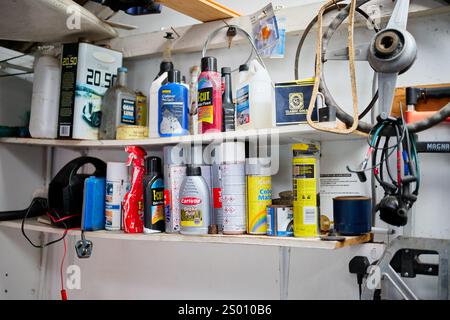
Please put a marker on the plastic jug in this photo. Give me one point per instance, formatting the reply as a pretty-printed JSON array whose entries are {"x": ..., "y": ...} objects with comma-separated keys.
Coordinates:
[
  {"x": 255, "y": 98},
  {"x": 153, "y": 107},
  {"x": 45, "y": 98}
]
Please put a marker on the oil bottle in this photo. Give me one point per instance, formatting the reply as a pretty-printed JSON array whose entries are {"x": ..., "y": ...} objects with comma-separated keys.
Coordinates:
[
  {"x": 194, "y": 203},
  {"x": 118, "y": 107},
  {"x": 154, "y": 219}
]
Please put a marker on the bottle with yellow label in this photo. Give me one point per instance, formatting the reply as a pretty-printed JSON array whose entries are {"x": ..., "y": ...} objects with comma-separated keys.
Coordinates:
[
  {"x": 154, "y": 218},
  {"x": 305, "y": 168},
  {"x": 209, "y": 102}
]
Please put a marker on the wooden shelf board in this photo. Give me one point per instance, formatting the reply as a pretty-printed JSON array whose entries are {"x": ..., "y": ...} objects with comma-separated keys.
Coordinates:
[
  {"x": 203, "y": 10},
  {"x": 308, "y": 243},
  {"x": 280, "y": 135}
]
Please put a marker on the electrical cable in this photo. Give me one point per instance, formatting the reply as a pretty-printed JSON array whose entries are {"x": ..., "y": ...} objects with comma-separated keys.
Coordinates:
[
  {"x": 324, "y": 39},
  {"x": 22, "y": 228}
]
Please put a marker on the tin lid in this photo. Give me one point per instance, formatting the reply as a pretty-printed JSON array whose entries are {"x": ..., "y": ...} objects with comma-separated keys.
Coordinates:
[
  {"x": 258, "y": 167},
  {"x": 231, "y": 152}
]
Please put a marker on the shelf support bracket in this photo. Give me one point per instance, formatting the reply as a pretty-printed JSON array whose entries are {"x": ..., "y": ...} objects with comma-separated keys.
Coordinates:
[{"x": 284, "y": 263}]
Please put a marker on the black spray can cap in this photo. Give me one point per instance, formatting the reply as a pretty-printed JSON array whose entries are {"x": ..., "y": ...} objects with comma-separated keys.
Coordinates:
[
  {"x": 243, "y": 67},
  {"x": 153, "y": 165},
  {"x": 209, "y": 64},
  {"x": 193, "y": 171},
  {"x": 226, "y": 70},
  {"x": 174, "y": 76}
]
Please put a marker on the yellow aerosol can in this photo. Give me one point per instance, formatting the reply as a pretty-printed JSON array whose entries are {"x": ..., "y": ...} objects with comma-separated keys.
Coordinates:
[{"x": 305, "y": 179}]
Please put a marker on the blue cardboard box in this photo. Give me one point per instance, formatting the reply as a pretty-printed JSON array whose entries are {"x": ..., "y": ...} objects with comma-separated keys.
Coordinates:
[{"x": 292, "y": 101}]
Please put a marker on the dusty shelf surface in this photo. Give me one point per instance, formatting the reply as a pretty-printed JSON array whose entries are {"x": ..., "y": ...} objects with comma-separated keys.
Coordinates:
[
  {"x": 312, "y": 243},
  {"x": 279, "y": 135}
]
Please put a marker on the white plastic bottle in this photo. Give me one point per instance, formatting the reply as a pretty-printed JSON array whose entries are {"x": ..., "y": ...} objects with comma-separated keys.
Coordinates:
[
  {"x": 255, "y": 98},
  {"x": 153, "y": 106},
  {"x": 45, "y": 98}
]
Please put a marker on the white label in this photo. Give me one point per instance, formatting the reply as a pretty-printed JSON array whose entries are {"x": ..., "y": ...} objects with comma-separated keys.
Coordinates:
[
  {"x": 64, "y": 131},
  {"x": 309, "y": 215}
]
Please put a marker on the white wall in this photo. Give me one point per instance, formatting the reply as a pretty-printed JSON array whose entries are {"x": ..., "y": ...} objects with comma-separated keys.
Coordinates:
[{"x": 164, "y": 270}]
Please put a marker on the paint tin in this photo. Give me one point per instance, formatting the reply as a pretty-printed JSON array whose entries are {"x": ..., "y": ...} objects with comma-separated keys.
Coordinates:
[
  {"x": 117, "y": 185},
  {"x": 305, "y": 186},
  {"x": 232, "y": 176},
  {"x": 280, "y": 222},
  {"x": 174, "y": 173},
  {"x": 259, "y": 194}
]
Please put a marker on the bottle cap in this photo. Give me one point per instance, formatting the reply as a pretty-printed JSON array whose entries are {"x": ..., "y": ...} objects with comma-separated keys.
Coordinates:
[
  {"x": 165, "y": 66},
  {"x": 193, "y": 171},
  {"x": 153, "y": 165},
  {"x": 122, "y": 69},
  {"x": 209, "y": 64},
  {"x": 258, "y": 167},
  {"x": 174, "y": 76},
  {"x": 226, "y": 70},
  {"x": 243, "y": 67}
]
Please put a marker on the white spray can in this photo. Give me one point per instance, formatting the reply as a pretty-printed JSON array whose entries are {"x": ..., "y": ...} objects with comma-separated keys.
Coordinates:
[
  {"x": 232, "y": 177},
  {"x": 117, "y": 184},
  {"x": 174, "y": 174}
]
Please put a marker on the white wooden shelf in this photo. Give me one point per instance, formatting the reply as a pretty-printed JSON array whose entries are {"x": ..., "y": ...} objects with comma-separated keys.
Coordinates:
[
  {"x": 280, "y": 135},
  {"x": 311, "y": 243},
  {"x": 50, "y": 21}
]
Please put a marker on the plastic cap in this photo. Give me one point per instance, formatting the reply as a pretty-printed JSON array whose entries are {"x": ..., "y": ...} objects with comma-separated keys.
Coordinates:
[
  {"x": 153, "y": 165},
  {"x": 226, "y": 70},
  {"x": 193, "y": 171},
  {"x": 165, "y": 66},
  {"x": 258, "y": 167},
  {"x": 209, "y": 64},
  {"x": 174, "y": 76},
  {"x": 243, "y": 67},
  {"x": 122, "y": 69}
]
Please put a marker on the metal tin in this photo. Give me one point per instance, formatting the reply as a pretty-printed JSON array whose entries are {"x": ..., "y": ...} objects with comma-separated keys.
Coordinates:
[
  {"x": 259, "y": 194},
  {"x": 233, "y": 198},
  {"x": 280, "y": 222}
]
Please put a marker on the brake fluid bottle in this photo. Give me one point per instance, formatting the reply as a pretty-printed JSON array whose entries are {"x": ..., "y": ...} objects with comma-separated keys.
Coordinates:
[
  {"x": 209, "y": 102},
  {"x": 194, "y": 203}
]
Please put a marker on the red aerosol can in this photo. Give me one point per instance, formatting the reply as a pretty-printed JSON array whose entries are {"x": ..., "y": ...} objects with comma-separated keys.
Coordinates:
[{"x": 133, "y": 202}]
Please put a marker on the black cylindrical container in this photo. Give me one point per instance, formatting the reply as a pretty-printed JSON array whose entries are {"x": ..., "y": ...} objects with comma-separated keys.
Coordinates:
[{"x": 352, "y": 215}]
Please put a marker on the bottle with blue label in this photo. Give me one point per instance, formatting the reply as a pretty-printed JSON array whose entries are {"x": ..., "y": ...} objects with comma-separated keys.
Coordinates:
[
  {"x": 173, "y": 117},
  {"x": 154, "y": 218},
  {"x": 118, "y": 107}
]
